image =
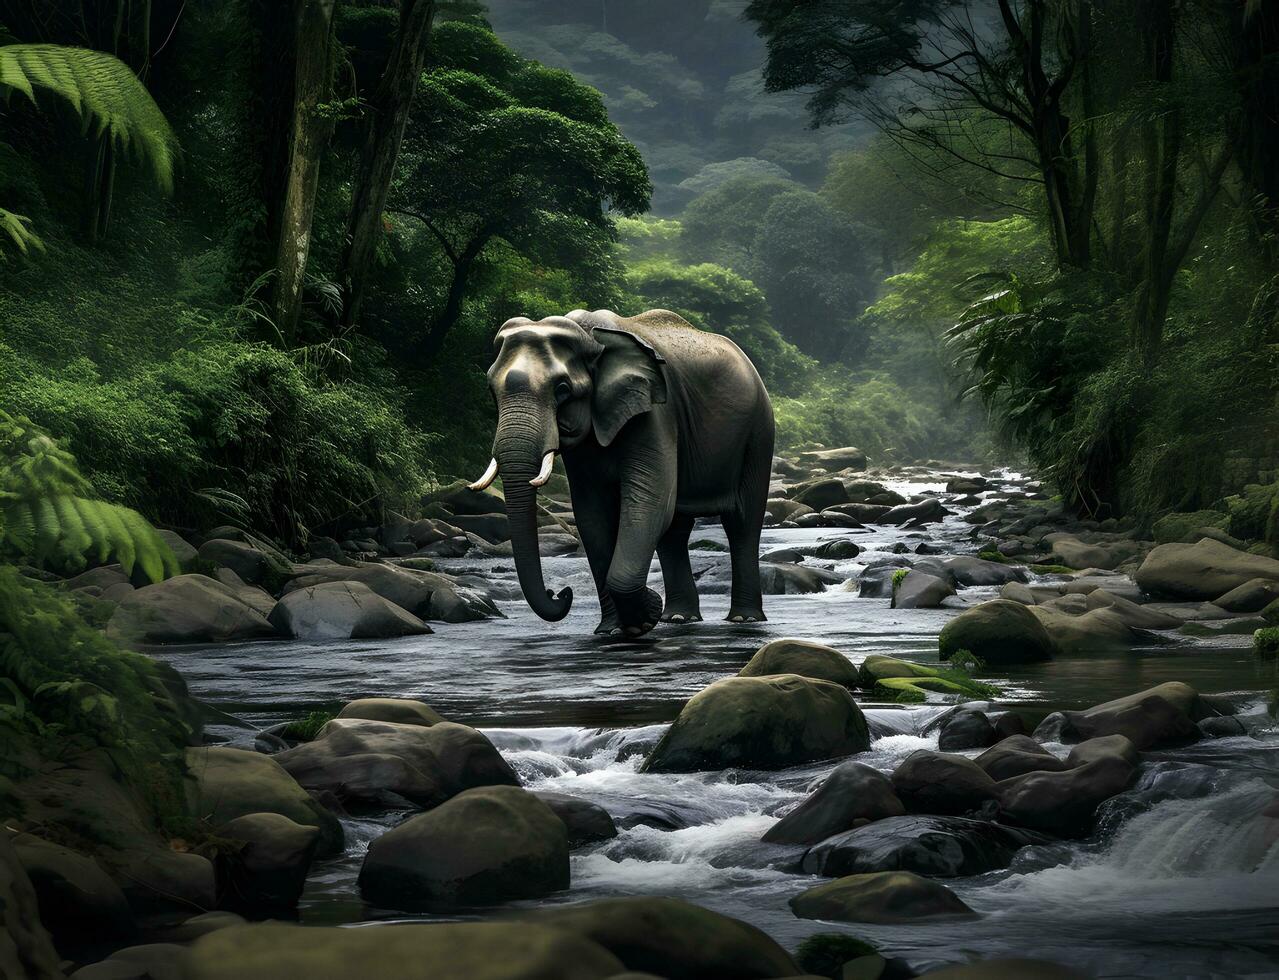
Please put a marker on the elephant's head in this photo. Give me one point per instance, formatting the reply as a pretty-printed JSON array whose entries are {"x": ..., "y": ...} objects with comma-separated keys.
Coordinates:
[{"x": 559, "y": 383}]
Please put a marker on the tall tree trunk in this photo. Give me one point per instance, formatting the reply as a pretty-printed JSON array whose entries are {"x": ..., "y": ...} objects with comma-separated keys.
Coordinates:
[
  {"x": 388, "y": 115},
  {"x": 313, "y": 74},
  {"x": 445, "y": 320}
]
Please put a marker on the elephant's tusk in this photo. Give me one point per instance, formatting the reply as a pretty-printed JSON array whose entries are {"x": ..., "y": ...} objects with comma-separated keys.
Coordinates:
[
  {"x": 489, "y": 476},
  {"x": 544, "y": 473}
]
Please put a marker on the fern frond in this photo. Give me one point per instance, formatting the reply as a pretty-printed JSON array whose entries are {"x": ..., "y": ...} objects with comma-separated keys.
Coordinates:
[
  {"x": 15, "y": 227},
  {"x": 113, "y": 530},
  {"x": 74, "y": 539},
  {"x": 102, "y": 90}
]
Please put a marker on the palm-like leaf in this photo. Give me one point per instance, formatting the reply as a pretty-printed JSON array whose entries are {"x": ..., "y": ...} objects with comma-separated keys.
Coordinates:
[
  {"x": 102, "y": 90},
  {"x": 16, "y": 228}
]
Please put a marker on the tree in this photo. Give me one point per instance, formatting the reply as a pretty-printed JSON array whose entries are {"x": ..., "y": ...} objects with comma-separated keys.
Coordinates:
[
  {"x": 501, "y": 148},
  {"x": 722, "y": 225}
]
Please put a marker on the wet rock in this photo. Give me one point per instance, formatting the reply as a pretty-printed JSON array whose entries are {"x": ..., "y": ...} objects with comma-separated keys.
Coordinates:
[
  {"x": 457, "y": 499},
  {"x": 1133, "y": 615},
  {"x": 925, "y": 511},
  {"x": 229, "y": 783},
  {"x": 883, "y": 897},
  {"x": 940, "y": 783},
  {"x": 152, "y": 961},
  {"x": 966, "y": 728},
  {"x": 876, "y": 580},
  {"x": 200, "y": 925},
  {"x": 1064, "y": 803},
  {"x": 890, "y": 676},
  {"x": 1094, "y": 631},
  {"x": 184, "y": 552},
  {"x": 186, "y": 609},
  {"x": 802, "y": 657},
  {"x": 587, "y": 822},
  {"x": 1070, "y": 551},
  {"x": 517, "y": 950},
  {"x": 1104, "y": 747},
  {"x": 673, "y": 939},
  {"x": 491, "y": 527},
  {"x": 998, "y": 632},
  {"x": 788, "y": 555},
  {"x": 843, "y": 458},
  {"x": 862, "y": 513},
  {"x": 830, "y": 518},
  {"x": 966, "y": 484},
  {"x": 1019, "y": 592},
  {"x": 426, "y": 595},
  {"x": 1017, "y": 755},
  {"x": 793, "y": 580},
  {"x": 972, "y": 572},
  {"x": 1008, "y": 723},
  {"x": 342, "y": 611},
  {"x": 919, "y": 590},
  {"x": 946, "y": 847},
  {"x": 1008, "y": 969},
  {"x": 761, "y": 722},
  {"x": 821, "y": 493},
  {"x": 1225, "y": 726},
  {"x": 841, "y": 550},
  {"x": 268, "y": 873},
  {"x": 781, "y": 509},
  {"x": 79, "y": 902},
  {"x": 1162, "y": 715},
  {"x": 384, "y": 763},
  {"x": 852, "y": 792},
  {"x": 483, "y": 846},
  {"x": 1253, "y": 596},
  {"x": 1202, "y": 571},
  {"x": 401, "y": 711},
  {"x": 256, "y": 562},
  {"x": 103, "y": 577}
]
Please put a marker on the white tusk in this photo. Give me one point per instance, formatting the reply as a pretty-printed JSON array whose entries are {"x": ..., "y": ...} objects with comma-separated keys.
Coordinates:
[
  {"x": 489, "y": 476},
  {"x": 545, "y": 473}
]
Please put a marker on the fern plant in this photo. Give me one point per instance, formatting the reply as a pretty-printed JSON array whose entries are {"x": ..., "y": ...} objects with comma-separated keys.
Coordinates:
[
  {"x": 107, "y": 96},
  {"x": 49, "y": 518}
]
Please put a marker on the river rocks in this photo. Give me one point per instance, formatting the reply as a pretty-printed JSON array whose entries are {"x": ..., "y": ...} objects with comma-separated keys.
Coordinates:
[
  {"x": 1064, "y": 803},
  {"x": 254, "y": 561},
  {"x": 342, "y": 611},
  {"x": 229, "y": 783},
  {"x": 841, "y": 550},
  {"x": 966, "y": 484},
  {"x": 784, "y": 579},
  {"x": 780, "y": 509},
  {"x": 946, "y": 847},
  {"x": 802, "y": 657},
  {"x": 519, "y": 950},
  {"x": 1019, "y": 592},
  {"x": 965, "y": 728},
  {"x": 926, "y": 511},
  {"x": 1129, "y": 612},
  {"x": 401, "y": 711},
  {"x": 1098, "y": 630},
  {"x": 1189, "y": 528},
  {"x": 1017, "y": 755},
  {"x": 876, "y": 579},
  {"x": 851, "y": 793},
  {"x": 1072, "y": 552},
  {"x": 26, "y": 950},
  {"x": 384, "y": 763},
  {"x": 672, "y": 939},
  {"x": 1008, "y": 969},
  {"x": 890, "y": 677},
  {"x": 426, "y": 595},
  {"x": 1162, "y": 715},
  {"x": 1202, "y": 571},
  {"x": 821, "y": 493},
  {"x": 79, "y": 902},
  {"x": 862, "y": 513},
  {"x": 486, "y": 845},
  {"x": 969, "y": 572},
  {"x": 586, "y": 822},
  {"x": 1106, "y": 746},
  {"x": 919, "y": 590},
  {"x": 186, "y": 609},
  {"x": 998, "y": 632},
  {"x": 936, "y": 782},
  {"x": 1253, "y": 596},
  {"x": 761, "y": 722},
  {"x": 491, "y": 527},
  {"x": 842, "y": 458},
  {"x": 268, "y": 873},
  {"x": 150, "y": 961},
  {"x": 884, "y": 897},
  {"x": 457, "y": 498}
]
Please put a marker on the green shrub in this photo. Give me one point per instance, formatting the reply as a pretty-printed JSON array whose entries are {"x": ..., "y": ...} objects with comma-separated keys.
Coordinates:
[
  {"x": 1265, "y": 643},
  {"x": 305, "y": 727}
]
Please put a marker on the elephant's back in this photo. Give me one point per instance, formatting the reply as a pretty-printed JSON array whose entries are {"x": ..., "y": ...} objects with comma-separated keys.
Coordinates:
[{"x": 701, "y": 356}]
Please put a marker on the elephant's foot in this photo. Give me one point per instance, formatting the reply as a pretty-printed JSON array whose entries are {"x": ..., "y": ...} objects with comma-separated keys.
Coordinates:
[
  {"x": 637, "y": 613},
  {"x": 682, "y": 612},
  {"x": 679, "y": 617},
  {"x": 744, "y": 614},
  {"x": 609, "y": 626}
]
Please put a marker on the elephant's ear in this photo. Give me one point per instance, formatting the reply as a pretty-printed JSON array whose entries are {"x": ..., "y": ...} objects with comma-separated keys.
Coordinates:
[{"x": 628, "y": 381}]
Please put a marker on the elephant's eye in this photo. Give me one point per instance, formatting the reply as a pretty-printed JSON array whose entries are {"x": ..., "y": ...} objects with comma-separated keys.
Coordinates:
[{"x": 563, "y": 392}]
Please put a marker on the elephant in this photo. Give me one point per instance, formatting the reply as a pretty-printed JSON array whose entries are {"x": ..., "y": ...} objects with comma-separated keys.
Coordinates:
[{"x": 657, "y": 423}]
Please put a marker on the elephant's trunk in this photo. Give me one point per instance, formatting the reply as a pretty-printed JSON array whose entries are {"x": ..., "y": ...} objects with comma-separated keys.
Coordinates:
[{"x": 524, "y": 437}]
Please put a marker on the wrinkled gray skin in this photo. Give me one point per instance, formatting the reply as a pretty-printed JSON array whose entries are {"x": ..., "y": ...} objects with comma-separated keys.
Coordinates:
[{"x": 657, "y": 423}]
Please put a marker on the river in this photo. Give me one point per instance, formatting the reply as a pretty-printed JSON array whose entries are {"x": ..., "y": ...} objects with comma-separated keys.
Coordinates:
[{"x": 1181, "y": 880}]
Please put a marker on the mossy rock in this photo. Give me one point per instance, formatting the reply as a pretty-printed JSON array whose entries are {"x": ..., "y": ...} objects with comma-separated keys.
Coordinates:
[
  {"x": 1265, "y": 643},
  {"x": 825, "y": 953},
  {"x": 1181, "y": 528},
  {"x": 706, "y": 544},
  {"x": 902, "y": 680},
  {"x": 802, "y": 657},
  {"x": 1254, "y": 513},
  {"x": 910, "y": 690}
]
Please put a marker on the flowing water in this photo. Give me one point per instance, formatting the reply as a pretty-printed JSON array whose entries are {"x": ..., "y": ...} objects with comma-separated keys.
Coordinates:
[{"x": 1182, "y": 878}]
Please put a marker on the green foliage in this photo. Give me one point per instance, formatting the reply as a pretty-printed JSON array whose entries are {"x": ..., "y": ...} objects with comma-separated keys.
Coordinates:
[
  {"x": 1254, "y": 513},
  {"x": 305, "y": 727},
  {"x": 824, "y": 954},
  {"x": 1265, "y": 643},
  {"x": 899, "y": 577}
]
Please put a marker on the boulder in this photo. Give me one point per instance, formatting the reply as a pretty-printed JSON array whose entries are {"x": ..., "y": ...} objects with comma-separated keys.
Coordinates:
[
  {"x": 401, "y": 711},
  {"x": 185, "y": 553},
  {"x": 925, "y": 511},
  {"x": 673, "y": 939},
  {"x": 1101, "y": 630},
  {"x": 517, "y": 950},
  {"x": 802, "y": 657},
  {"x": 1162, "y": 715},
  {"x": 1129, "y": 612},
  {"x": 820, "y": 494},
  {"x": 587, "y": 822},
  {"x": 1017, "y": 755},
  {"x": 186, "y": 609},
  {"x": 844, "y": 458},
  {"x": 919, "y": 590},
  {"x": 763, "y": 723},
  {"x": 426, "y": 595},
  {"x": 229, "y": 783},
  {"x": 998, "y": 632},
  {"x": 1202, "y": 571},
  {"x": 79, "y": 903},
  {"x": 254, "y": 561},
  {"x": 945, "y": 847},
  {"x": 1189, "y": 528},
  {"x": 26, "y": 951},
  {"x": 1064, "y": 803},
  {"x": 103, "y": 577},
  {"x": 1008, "y": 969},
  {"x": 486, "y": 845},
  {"x": 784, "y": 579},
  {"x": 342, "y": 611},
  {"x": 781, "y": 509},
  {"x": 268, "y": 873},
  {"x": 965, "y": 728},
  {"x": 151, "y": 961},
  {"x": 1253, "y": 596},
  {"x": 851, "y": 793},
  {"x": 882, "y": 897},
  {"x": 862, "y": 513},
  {"x": 876, "y": 579},
  {"x": 457, "y": 498},
  {"x": 491, "y": 527},
  {"x": 384, "y": 763},
  {"x": 1070, "y": 551},
  {"x": 1106, "y": 746},
  {"x": 840, "y": 550},
  {"x": 892, "y": 677},
  {"x": 936, "y": 782},
  {"x": 971, "y": 572},
  {"x": 251, "y": 595},
  {"x": 1019, "y": 592}
]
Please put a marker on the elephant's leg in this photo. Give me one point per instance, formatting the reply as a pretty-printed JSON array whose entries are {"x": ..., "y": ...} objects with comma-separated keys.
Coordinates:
[
  {"x": 743, "y": 525},
  {"x": 648, "y": 504},
  {"x": 682, "y": 604},
  {"x": 596, "y": 515}
]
